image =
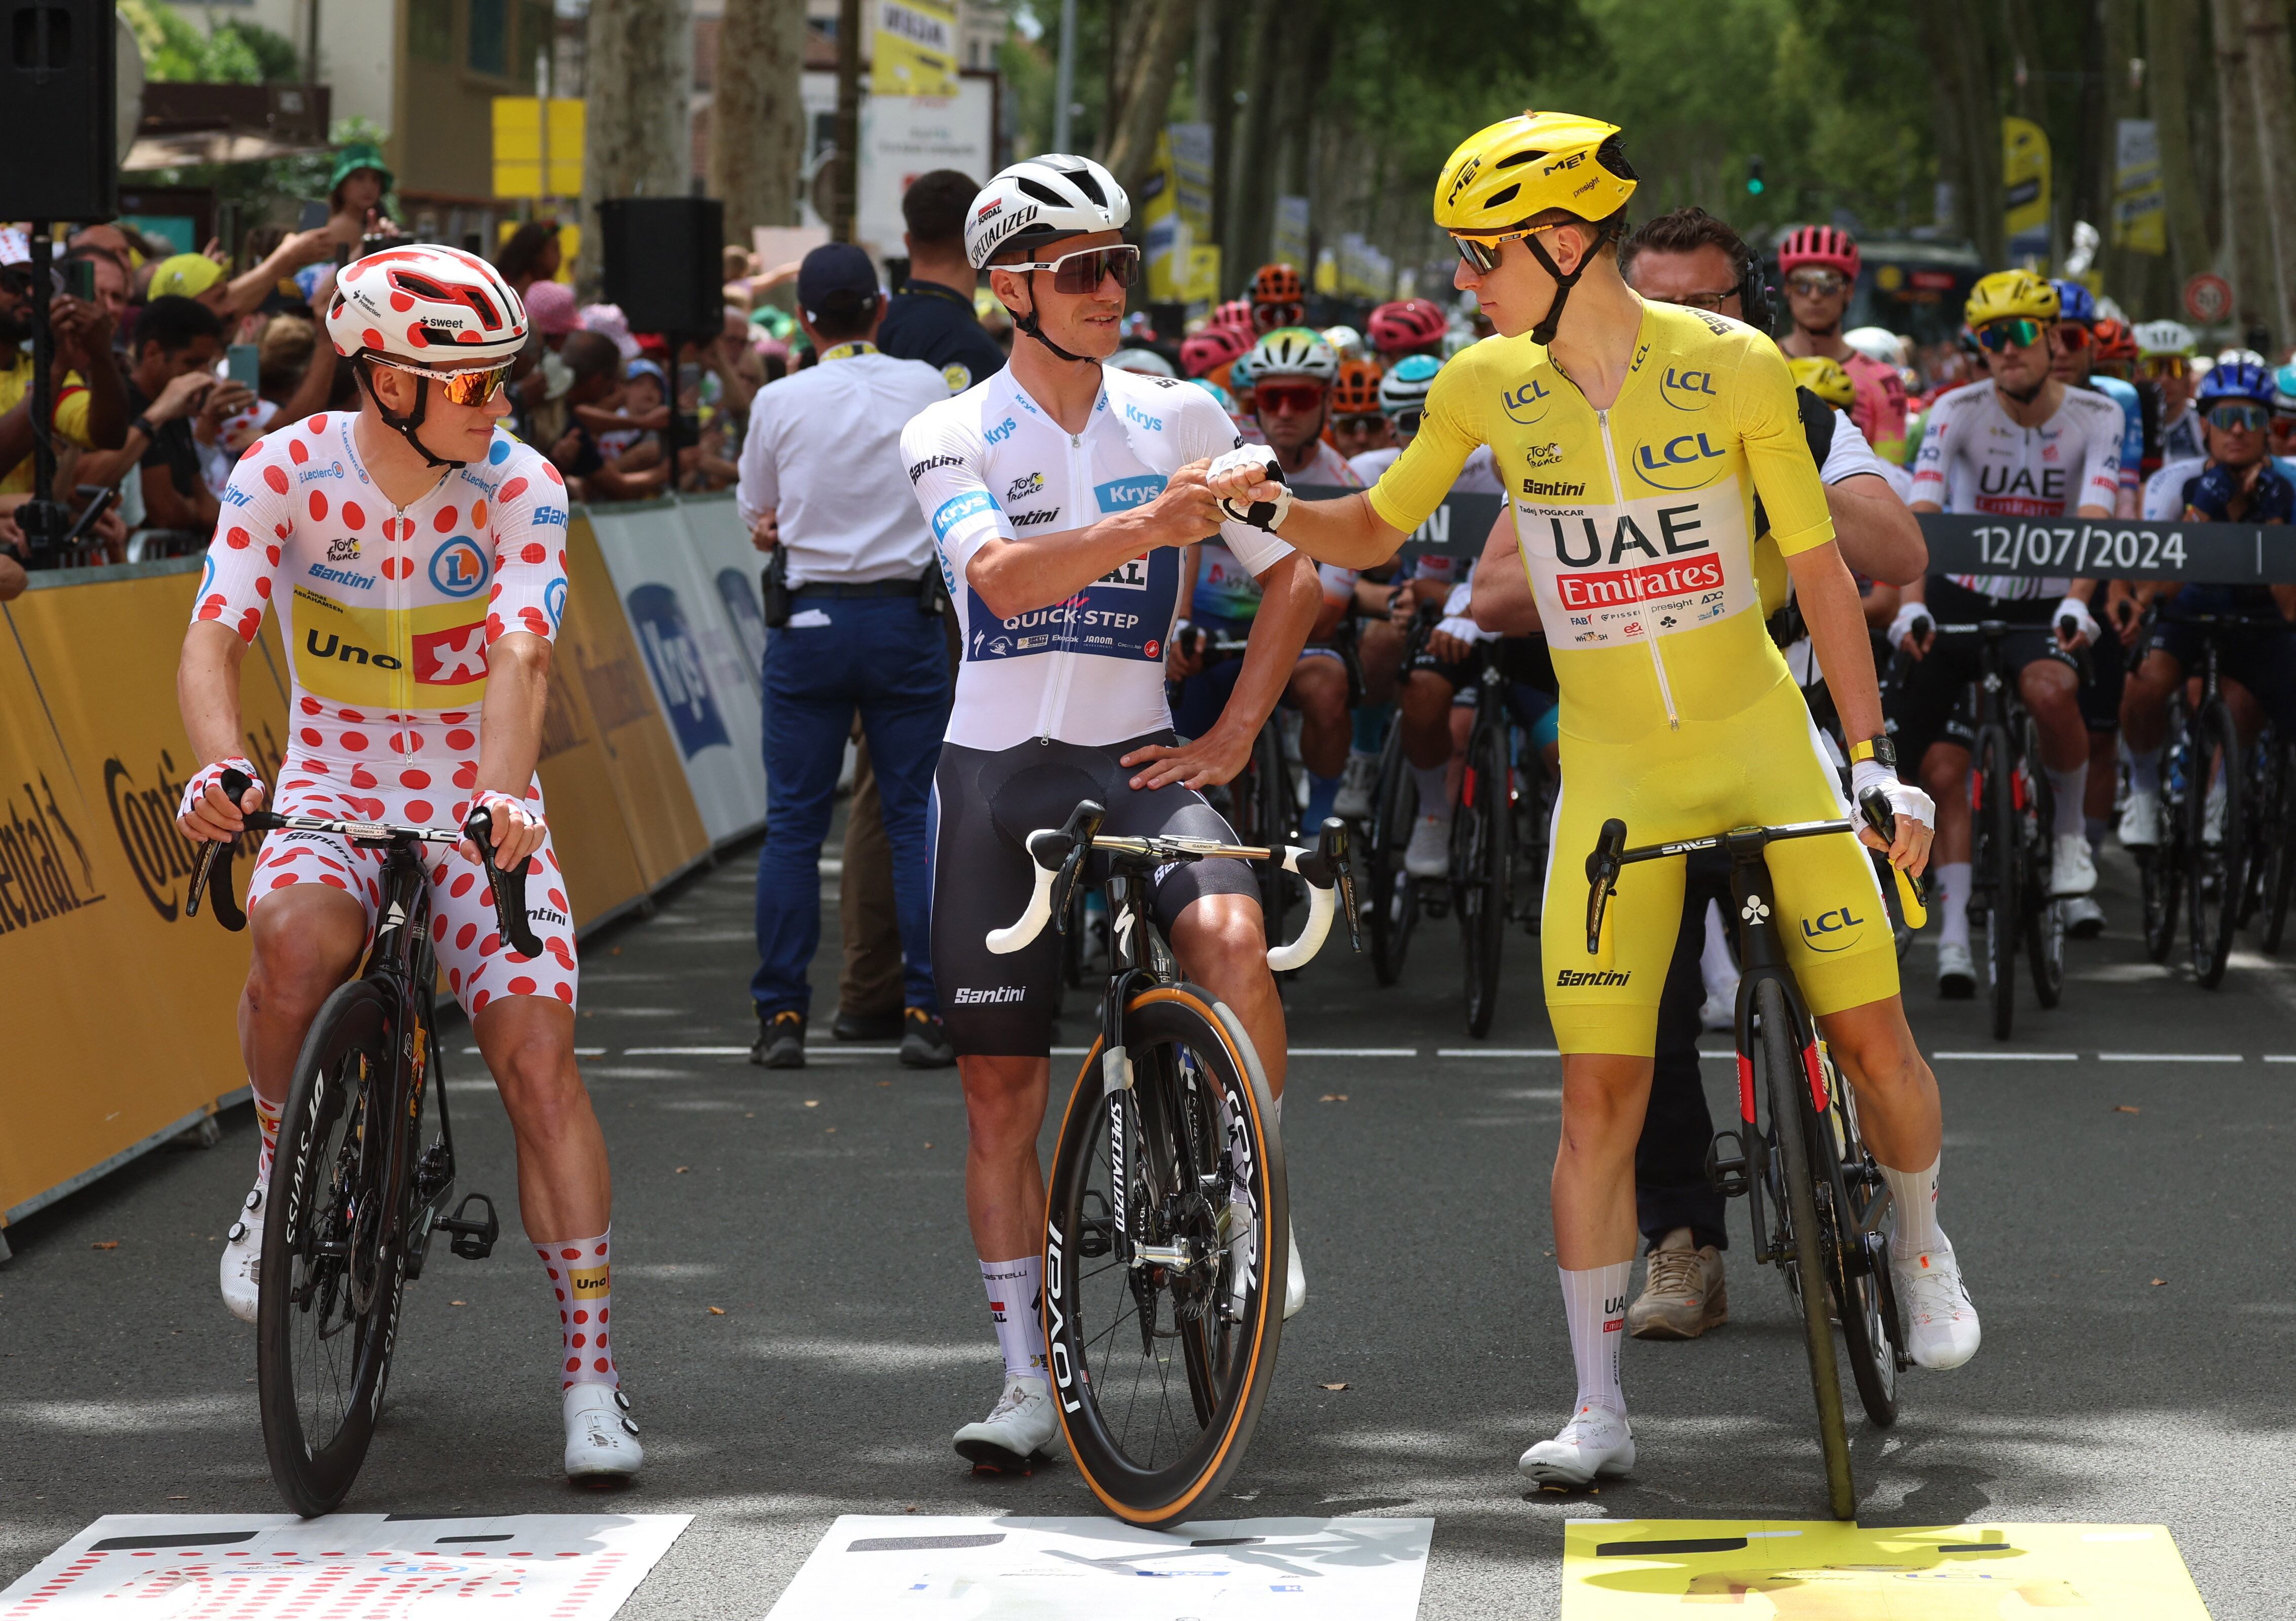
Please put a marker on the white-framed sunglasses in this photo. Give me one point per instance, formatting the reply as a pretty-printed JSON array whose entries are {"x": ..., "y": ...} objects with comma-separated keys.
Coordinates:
[
  {"x": 1082, "y": 270},
  {"x": 471, "y": 386}
]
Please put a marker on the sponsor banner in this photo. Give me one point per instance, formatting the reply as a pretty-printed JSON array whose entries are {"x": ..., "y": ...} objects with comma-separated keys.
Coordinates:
[
  {"x": 1458, "y": 528},
  {"x": 913, "y": 50}
]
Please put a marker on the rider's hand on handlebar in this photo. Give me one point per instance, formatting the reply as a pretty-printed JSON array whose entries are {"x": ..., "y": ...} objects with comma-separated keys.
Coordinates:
[
  {"x": 2075, "y": 626},
  {"x": 1214, "y": 758},
  {"x": 1914, "y": 629},
  {"x": 1913, "y": 812},
  {"x": 1448, "y": 648},
  {"x": 518, "y": 832},
  {"x": 207, "y": 814},
  {"x": 2122, "y": 610}
]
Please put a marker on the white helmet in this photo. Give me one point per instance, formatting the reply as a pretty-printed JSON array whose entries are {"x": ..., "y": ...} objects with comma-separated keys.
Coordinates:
[
  {"x": 1346, "y": 342},
  {"x": 1293, "y": 351},
  {"x": 1041, "y": 200},
  {"x": 426, "y": 305},
  {"x": 2164, "y": 338},
  {"x": 1405, "y": 386},
  {"x": 1877, "y": 343},
  {"x": 2243, "y": 357},
  {"x": 1147, "y": 362}
]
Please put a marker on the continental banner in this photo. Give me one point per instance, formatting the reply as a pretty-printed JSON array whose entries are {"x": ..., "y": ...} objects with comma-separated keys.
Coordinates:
[{"x": 122, "y": 1010}]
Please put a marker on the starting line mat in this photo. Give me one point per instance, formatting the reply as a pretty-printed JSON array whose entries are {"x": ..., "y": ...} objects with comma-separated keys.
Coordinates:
[
  {"x": 1823, "y": 1570},
  {"x": 346, "y": 1566},
  {"x": 873, "y": 1566}
]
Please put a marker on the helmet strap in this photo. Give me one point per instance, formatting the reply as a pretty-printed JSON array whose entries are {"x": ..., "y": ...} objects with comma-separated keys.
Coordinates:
[
  {"x": 1543, "y": 333},
  {"x": 1027, "y": 324},
  {"x": 408, "y": 426}
]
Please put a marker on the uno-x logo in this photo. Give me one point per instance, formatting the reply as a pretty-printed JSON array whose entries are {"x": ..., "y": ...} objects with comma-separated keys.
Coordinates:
[
  {"x": 1829, "y": 923},
  {"x": 459, "y": 568},
  {"x": 1517, "y": 402},
  {"x": 1686, "y": 388},
  {"x": 1685, "y": 451}
]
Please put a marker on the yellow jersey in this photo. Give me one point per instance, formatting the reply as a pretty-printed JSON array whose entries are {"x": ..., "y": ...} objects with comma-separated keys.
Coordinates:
[
  {"x": 70, "y": 405},
  {"x": 1634, "y": 523}
]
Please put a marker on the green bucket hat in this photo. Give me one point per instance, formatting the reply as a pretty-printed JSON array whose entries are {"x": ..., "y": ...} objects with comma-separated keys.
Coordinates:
[{"x": 355, "y": 156}]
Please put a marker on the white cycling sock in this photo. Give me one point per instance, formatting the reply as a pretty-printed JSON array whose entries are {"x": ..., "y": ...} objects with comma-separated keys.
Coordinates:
[
  {"x": 2068, "y": 786},
  {"x": 1953, "y": 903},
  {"x": 1715, "y": 964},
  {"x": 1594, "y": 1306},
  {"x": 1913, "y": 1204},
  {"x": 1013, "y": 1287},
  {"x": 266, "y": 1115},
  {"x": 2144, "y": 770},
  {"x": 1434, "y": 792},
  {"x": 582, "y": 1272}
]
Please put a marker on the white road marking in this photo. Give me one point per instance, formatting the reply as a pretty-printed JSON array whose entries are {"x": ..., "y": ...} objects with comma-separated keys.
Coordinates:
[
  {"x": 2279, "y": 1057},
  {"x": 1984, "y": 1056},
  {"x": 2172, "y": 1057},
  {"x": 1498, "y": 1052},
  {"x": 579, "y": 1052},
  {"x": 1355, "y": 1052},
  {"x": 684, "y": 1052}
]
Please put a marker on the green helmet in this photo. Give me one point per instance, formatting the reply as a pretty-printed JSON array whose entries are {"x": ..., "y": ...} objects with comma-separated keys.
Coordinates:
[{"x": 1294, "y": 351}]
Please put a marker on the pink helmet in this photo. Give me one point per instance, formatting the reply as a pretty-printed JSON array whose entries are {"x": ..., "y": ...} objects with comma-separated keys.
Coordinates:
[
  {"x": 1209, "y": 348},
  {"x": 1236, "y": 313},
  {"x": 1826, "y": 245},
  {"x": 1406, "y": 324},
  {"x": 425, "y": 305}
]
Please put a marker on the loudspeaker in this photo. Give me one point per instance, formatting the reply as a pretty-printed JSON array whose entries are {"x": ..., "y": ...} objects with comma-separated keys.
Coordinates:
[
  {"x": 665, "y": 262},
  {"x": 59, "y": 90}
]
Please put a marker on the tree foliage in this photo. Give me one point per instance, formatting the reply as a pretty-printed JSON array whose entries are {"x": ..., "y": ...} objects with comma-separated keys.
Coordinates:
[{"x": 234, "y": 53}]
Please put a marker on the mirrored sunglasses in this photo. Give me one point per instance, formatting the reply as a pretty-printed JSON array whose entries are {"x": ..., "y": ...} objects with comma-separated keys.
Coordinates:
[
  {"x": 471, "y": 387},
  {"x": 1817, "y": 283},
  {"x": 1298, "y": 399},
  {"x": 2236, "y": 415},
  {"x": 2018, "y": 331},
  {"x": 1084, "y": 271},
  {"x": 2162, "y": 368}
]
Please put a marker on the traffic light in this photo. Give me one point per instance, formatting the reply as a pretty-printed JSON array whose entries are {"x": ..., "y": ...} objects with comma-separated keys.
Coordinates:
[{"x": 1755, "y": 185}]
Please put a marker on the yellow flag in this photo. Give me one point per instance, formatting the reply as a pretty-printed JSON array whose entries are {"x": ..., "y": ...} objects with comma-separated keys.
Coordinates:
[{"x": 913, "y": 50}]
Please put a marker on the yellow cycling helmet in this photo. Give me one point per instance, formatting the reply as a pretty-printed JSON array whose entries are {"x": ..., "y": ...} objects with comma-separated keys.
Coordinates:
[
  {"x": 1823, "y": 376},
  {"x": 1505, "y": 175},
  {"x": 2006, "y": 294}
]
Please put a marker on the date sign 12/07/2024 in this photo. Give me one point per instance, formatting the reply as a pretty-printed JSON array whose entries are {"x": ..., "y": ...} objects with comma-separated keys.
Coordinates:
[{"x": 2212, "y": 554}]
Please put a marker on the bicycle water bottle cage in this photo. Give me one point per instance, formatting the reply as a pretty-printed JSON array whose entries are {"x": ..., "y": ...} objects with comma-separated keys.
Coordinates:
[{"x": 474, "y": 1241}]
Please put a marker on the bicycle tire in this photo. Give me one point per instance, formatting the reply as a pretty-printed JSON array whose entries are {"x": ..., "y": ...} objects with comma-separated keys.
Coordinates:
[
  {"x": 1995, "y": 863},
  {"x": 1391, "y": 899},
  {"x": 342, "y": 1075},
  {"x": 1273, "y": 812},
  {"x": 1865, "y": 1297},
  {"x": 1480, "y": 860},
  {"x": 1227, "y": 1373},
  {"x": 2279, "y": 830},
  {"x": 2162, "y": 869},
  {"x": 1787, "y": 1087},
  {"x": 2043, "y": 913},
  {"x": 2214, "y": 872}
]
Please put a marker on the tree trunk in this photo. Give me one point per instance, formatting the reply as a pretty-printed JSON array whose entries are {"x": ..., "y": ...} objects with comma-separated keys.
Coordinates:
[
  {"x": 1217, "y": 35},
  {"x": 1149, "y": 79},
  {"x": 757, "y": 124},
  {"x": 639, "y": 57},
  {"x": 2247, "y": 232},
  {"x": 1252, "y": 170},
  {"x": 2272, "y": 86},
  {"x": 2126, "y": 273},
  {"x": 1969, "y": 123},
  {"x": 2168, "y": 25}
]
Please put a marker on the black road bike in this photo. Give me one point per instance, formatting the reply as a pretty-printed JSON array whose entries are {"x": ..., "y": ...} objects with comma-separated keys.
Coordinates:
[
  {"x": 357, "y": 1193},
  {"x": 1391, "y": 896},
  {"x": 1167, "y": 1220},
  {"x": 1498, "y": 840},
  {"x": 1261, "y": 802},
  {"x": 1817, "y": 1197}
]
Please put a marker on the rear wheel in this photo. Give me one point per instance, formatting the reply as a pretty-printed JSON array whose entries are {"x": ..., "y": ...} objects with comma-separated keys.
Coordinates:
[
  {"x": 2215, "y": 841},
  {"x": 1391, "y": 901},
  {"x": 1482, "y": 862},
  {"x": 2162, "y": 868},
  {"x": 1864, "y": 1299},
  {"x": 1996, "y": 867},
  {"x": 2044, "y": 914},
  {"x": 332, "y": 1269},
  {"x": 1162, "y": 1333}
]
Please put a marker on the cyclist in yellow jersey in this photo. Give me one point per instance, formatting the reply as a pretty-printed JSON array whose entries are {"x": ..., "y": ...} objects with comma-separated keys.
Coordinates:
[{"x": 1633, "y": 439}]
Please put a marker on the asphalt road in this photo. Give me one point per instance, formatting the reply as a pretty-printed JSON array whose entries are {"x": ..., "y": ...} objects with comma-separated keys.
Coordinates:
[{"x": 2122, "y": 1221}]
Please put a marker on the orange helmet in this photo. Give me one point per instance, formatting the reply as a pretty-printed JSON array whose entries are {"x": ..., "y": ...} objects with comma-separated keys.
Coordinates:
[
  {"x": 2114, "y": 342},
  {"x": 1276, "y": 285},
  {"x": 1355, "y": 393}
]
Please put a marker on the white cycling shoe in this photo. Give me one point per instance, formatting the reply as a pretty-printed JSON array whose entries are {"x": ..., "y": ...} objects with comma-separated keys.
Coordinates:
[
  {"x": 1295, "y": 1275},
  {"x": 2084, "y": 918},
  {"x": 1941, "y": 1327},
  {"x": 1352, "y": 804},
  {"x": 1016, "y": 1435},
  {"x": 2072, "y": 870},
  {"x": 601, "y": 1438},
  {"x": 1597, "y": 1444},
  {"x": 2140, "y": 819},
  {"x": 1957, "y": 971},
  {"x": 242, "y": 1257},
  {"x": 1429, "y": 853}
]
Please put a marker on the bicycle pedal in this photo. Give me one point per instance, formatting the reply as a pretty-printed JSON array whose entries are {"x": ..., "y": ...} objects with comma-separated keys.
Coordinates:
[
  {"x": 474, "y": 1241},
  {"x": 1727, "y": 1174}
]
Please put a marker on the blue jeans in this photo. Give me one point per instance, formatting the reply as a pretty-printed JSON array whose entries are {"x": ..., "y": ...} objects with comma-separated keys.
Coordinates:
[{"x": 880, "y": 655}]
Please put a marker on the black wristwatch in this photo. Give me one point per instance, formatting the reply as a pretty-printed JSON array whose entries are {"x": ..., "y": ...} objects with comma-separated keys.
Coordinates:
[
  {"x": 1877, "y": 748},
  {"x": 142, "y": 424}
]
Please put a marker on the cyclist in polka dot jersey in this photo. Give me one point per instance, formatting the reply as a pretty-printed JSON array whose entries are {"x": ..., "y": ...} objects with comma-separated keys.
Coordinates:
[{"x": 415, "y": 554}]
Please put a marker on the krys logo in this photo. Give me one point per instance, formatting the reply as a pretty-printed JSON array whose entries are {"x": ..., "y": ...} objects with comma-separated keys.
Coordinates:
[
  {"x": 1819, "y": 932},
  {"x": 1121, "y": 495},
  {"x": 459, "y": 568},
  {"x": 1679, "y": 462},
  {"x": 1527, "y": 404},
  {"x": 1686, "y": 388}
]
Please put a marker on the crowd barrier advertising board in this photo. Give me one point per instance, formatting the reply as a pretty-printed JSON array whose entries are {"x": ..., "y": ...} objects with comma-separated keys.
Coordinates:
[{"x": 693, "y": 652}]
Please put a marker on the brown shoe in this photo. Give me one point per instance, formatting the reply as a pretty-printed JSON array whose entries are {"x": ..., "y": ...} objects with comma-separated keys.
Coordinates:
[{"x": 1683, "y": 1293}]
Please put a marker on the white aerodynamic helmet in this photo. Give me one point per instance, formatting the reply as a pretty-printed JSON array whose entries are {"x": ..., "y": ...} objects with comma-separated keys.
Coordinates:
[
  {"x": 425, "y": 305},
  {"x": 1041, "y": 200},
  {"x": 2155, "y": 339},
  {"x": 1877, "y": 343},
  {"x": 1346, "y": 342},
  {"x": 1293, "y": 351}
]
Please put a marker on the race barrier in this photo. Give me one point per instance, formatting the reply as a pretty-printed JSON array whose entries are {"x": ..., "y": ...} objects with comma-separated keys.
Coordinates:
[{"x": 121, "y": 1012}]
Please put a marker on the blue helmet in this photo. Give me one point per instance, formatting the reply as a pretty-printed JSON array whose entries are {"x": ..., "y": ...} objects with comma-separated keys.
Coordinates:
[
  {"x": 1405, "y": 386},
  {"x": 2075, "y": 303},
  {"x": 2236, "y": 379}
]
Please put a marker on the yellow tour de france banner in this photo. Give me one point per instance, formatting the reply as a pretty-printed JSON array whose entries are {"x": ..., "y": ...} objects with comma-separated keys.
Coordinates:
[
  {"x": 913, "y": 52},
  {"x": 2025, "y": 188}
]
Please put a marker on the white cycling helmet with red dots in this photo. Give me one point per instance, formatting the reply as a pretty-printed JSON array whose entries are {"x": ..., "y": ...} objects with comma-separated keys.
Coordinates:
[{"x": 426, "y": 305}]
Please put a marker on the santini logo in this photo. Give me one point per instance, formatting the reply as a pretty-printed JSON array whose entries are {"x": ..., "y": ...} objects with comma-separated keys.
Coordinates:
[
  {"x": 968, "y": 996},
  {"x": 1591, "y": 976}
]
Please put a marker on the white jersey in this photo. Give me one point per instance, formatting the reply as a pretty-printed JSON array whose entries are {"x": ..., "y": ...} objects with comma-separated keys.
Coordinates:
[
  {"x": 2164, "y": 491},
  {"x": 1974, "y": 459},
  {"x": 991, "y": 463}
]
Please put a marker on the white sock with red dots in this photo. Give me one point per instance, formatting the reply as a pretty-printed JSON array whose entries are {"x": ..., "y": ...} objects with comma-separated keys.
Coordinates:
[
  {"x": 1912, "y": 1201},
  {"x": 266, "y": 1115},
  {"x": 1013, "y": 1287},
  {"x": 581, "y": 1272},
  {"x": 1594, "y": 1306}
]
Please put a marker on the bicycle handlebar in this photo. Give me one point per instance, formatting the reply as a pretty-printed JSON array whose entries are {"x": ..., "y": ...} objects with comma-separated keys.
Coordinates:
[{"x": 212, "y": 866}]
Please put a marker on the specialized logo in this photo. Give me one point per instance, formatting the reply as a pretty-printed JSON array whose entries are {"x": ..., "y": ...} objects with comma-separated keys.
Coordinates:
[
  {"x": 1519, "y": 403},
  {"x": 1024, "y": 487},
  {"x": 1602, "y": 978},
  {"x": 1025, "y": 519},
  {"x": 1686, "y": 388},
  {"x": 460, "y": 568},
  {"x": 1002, "y": 432},
  {"x": 917, "y": 470},
  {"x": 1002, "y": 228},
  {"x": 1122, "y": 495},
  {"x": 1813, "y": 930},
  {"x": 344, "y": 576},
  {"x": 973, "y": 996},
  {"x": 1139, "y": 418},
  {"x": 1678, "y": 463}
]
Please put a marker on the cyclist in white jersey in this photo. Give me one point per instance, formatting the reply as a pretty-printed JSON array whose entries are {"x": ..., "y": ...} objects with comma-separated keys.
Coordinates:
[
  {"x": 2020, "y": 445},
  {"x": 1061, "y": 499},
  {"x": 415, "y": 554}
]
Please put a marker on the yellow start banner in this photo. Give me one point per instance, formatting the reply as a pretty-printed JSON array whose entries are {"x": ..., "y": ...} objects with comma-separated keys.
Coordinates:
[{"x": 913, "y": 52}]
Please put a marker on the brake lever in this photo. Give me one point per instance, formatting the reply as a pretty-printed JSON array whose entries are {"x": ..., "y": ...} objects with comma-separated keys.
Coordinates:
[
  {"x": 211, "y": 865},
  {"x": 508, "y": 888},
  {"x": 1602, "y": 868},
  {"x": 1332, "y": 867}
]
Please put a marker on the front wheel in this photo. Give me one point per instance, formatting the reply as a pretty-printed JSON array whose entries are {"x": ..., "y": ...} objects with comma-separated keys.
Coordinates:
[
  {"x": 2162, "y": 867},
  {"x": 1166, "y": 1254},
  {"x": 333, "y": 1269},
  {"x": 1482, "y": 862},
  {"x": 1391, "y": 898},
  {"x": 1997, "y": 867},
  {"x": 2216, "y": 842}
]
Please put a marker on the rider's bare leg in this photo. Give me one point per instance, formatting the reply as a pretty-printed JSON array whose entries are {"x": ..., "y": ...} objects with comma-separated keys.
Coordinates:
[{"x": 564, "y": 1189}]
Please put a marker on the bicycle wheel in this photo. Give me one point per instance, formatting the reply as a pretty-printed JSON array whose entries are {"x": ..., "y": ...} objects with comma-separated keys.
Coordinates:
[
  {"x": 2278, "y": 822},
  {"x": 1857, "y": 1271},
  {"x": 1481, "y": 834},
  {"x": 2044, "y": 914},
  {"x": 1996, "y": 866},
  {"x": 2215, "y": 846},
  {"x": 1272, "y": 814},
  {"x": 2162, "y": 869},
  {"x": 332, "y": 1277},
  {"x": 1162, "y": 1365},
  {"x": 1786, "y": 1084},
  {"x": 1391, "y": 897}
]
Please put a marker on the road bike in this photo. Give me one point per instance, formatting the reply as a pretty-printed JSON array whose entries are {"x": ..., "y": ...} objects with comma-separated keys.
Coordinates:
[
  {"x": 1817, "y": 1197},
  {"x": 1498, "y": 840},
  {"x": 356, "y": 1192},
  {"x": 1167, "y": 1219},
  {"x": 1260, "y": 801},
  {"x": 1391, "y": 896}
]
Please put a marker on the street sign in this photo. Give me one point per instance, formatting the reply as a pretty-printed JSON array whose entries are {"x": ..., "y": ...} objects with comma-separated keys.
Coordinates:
[{"x": 2208, "y": 298}]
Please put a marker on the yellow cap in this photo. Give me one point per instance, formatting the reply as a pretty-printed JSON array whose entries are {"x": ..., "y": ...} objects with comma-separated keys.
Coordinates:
[
  {"x": 1504, "y": 175},
  {"x": 186, "y": 275},
  {"x": 1824, "y": 377},
  {"x": 2008, "y": 293}
]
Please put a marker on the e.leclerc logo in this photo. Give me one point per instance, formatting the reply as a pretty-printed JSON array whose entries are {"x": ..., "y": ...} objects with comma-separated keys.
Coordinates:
[{"x": 460, "y": 568}]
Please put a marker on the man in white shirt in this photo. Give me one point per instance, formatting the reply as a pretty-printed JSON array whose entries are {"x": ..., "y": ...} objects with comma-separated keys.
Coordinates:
[{"x": 822, "y": 478}]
